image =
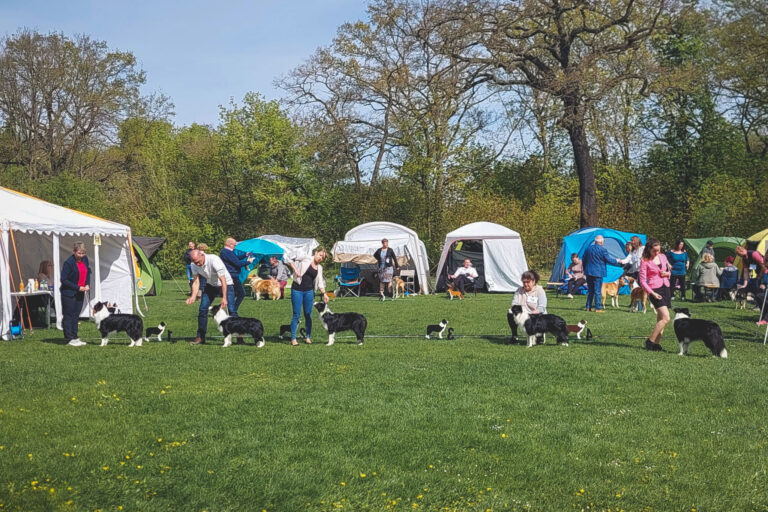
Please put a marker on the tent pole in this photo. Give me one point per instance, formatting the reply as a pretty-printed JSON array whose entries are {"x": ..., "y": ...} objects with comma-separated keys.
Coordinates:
[
  {"x": 97, "y": 278},
  {"x": 10, "y": 286},
  {"x": 21, "y": 279},
  {"x": 57, "y": 280}
]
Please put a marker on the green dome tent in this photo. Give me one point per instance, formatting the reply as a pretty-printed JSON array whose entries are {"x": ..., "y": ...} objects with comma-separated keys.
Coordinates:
[
  {"x": 722, "y": 245},
  {"x": 145, "y": 248}
]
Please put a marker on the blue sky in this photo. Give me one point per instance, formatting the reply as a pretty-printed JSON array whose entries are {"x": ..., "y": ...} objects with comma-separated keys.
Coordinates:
[{"x": 200, "y": 53}]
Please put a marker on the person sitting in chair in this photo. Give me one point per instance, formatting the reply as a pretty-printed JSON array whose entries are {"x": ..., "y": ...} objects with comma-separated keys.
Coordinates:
[
  {"x": 45, "y": 272},
  {"x": 463, "y": 276},
  {"x": 575, "y": 275}
]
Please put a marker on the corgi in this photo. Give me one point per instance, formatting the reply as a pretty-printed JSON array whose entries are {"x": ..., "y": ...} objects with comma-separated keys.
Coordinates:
[
  {"x": 454, "y": 293},
  {"x": 612, "y": 289}
]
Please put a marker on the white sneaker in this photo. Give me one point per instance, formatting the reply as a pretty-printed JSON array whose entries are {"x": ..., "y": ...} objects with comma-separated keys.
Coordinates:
[{"x": 77, "y": 342}]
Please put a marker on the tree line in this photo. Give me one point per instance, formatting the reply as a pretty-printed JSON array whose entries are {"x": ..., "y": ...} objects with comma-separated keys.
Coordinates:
[{"x": 541, "y": 115}]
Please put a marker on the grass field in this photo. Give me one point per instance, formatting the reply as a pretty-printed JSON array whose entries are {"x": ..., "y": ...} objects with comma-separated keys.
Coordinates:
[{"x": 401, "y": 423}]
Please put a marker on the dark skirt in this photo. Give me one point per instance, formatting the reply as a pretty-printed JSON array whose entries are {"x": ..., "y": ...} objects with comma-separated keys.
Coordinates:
[{"x": 665, "y": 300}]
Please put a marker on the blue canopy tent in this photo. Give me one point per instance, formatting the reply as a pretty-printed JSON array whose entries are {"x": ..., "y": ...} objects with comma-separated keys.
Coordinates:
[
  {"x": 578, "y": 241},
  {"x": 260, "y": 250}
]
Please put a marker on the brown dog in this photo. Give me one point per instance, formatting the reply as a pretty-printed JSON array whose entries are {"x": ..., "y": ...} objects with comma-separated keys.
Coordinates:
[
  {"x": 265, "y": 287},
  {"x": 612, "y": 289},
  {"x": 637, "y": 296},
  {"x": 398, "y": 287},
  {"x": 454, "y": 293}
]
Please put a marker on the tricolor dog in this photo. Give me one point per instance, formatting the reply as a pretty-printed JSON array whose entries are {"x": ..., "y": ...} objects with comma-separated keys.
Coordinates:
[
  {"x": 108, "y": 322},
  {"x": 239, "y": 326},
  {"x": 689, "y": 329},
  {"x": 337, "y": 322},
  {"x": 538, "y": 325}
]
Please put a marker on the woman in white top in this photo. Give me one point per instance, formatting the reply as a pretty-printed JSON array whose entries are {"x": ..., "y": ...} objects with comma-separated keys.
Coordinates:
[
  {"x": 308, "y": 275},
  {"x": 531, "y": 296},
  {"x": 464, "y": 275},
  {"x": 632, "y": 261}
]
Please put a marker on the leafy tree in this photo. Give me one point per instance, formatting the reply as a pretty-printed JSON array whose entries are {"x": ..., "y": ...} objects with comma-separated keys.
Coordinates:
[
  {"x": 61, "y": 99},
  {"x": 575, "y": 51}
]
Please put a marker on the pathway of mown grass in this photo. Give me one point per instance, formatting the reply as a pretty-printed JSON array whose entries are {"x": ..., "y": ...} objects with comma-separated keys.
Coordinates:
[{"x": 404, "y": 423}]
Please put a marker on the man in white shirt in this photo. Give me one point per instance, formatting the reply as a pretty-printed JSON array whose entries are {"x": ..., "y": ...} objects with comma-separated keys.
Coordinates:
[
  {"x": 218, "y": 284},
  {"x": 464, "y": 275}
]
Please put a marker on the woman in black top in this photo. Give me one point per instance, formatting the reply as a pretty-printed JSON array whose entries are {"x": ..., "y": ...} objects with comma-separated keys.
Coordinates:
[
  {"x": 387, "y": 263},
  {"x": 307, "y": 271}
]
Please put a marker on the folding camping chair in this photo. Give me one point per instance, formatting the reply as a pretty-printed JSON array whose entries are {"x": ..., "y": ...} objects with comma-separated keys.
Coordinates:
[
  {"x": 349, "y": 282},
  {"x": 409, "y": 278}
]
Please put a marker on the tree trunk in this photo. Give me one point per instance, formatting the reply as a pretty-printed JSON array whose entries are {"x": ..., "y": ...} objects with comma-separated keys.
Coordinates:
[{"x": 587, "y": 191}]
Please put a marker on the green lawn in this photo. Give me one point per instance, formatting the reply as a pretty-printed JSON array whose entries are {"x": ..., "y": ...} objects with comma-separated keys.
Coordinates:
[{"x": 401, "y": 423}]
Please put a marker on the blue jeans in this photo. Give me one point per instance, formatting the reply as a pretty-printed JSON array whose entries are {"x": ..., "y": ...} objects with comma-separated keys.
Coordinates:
[
  {"x": 209, "y": 294},
  {"x": 239, "y": 295},
  {"x": 302, "y": 300},
  {"x": 595, "y": 291}
]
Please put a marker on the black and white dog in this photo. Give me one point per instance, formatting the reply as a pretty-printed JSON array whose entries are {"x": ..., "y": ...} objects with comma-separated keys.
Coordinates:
[
  {"x": 155, "y": 331},
  {"x": 239, "y": 326},
  {"x": 689, "y": 329},
  {"x": 437, "y": 328},
  {"x": 108, "y": 322},
  {"x": 286, "y": 329},
  {"x": 337, "y": 322},
  {"x": 537, "y": 325}
]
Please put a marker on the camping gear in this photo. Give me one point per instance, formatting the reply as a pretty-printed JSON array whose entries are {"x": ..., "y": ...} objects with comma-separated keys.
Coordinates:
[
  {"x": 261, "y": 250},
  {"x": 578, "y": 241},
  {"x": 494, "y": 250},
  {"x": 361, "y": 242},
  {"x": 293, "y": 247},
  {"x": 722, "y": 245},
  {"x": 32, "y": 230},
  {"x": 146, "y": 248}
]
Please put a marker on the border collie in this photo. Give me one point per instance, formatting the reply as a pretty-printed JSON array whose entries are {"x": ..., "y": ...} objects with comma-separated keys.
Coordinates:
[
  {"x": 689, "y": 329},
  {"x": 108, "y": 322},
  {"x": 538, "y": 325},
  {"x": 155, "y": 331},
  {"x": 238, "y": 326},
  {"x": 437, "y": 328},
  {"x": 337, "y": 322}
]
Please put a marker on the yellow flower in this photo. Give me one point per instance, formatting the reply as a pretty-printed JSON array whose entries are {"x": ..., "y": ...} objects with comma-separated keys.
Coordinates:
[
  {"x": 362, "y": 475},
  {"x": 162, "y": 391},
  {"x": 33, "y": 482},
  {"x": 138, "y": 466},
  {"x": 343, "y": 483},
  {"x": 52, "y": 490},
  {"x": 105, "y": 468},
  {"x": 74, "y": 399},
  {"x": 504, "y": 436},
  {"x": 159, "y": 439}
]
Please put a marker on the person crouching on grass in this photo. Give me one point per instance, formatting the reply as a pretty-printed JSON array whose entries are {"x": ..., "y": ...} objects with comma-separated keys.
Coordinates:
[
  {"x": 218, "y": 284},
  {"x": 654, "y": 278}
]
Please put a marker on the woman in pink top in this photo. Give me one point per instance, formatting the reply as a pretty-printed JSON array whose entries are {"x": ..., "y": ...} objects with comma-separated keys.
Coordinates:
[{"x": 654, "y": 275}]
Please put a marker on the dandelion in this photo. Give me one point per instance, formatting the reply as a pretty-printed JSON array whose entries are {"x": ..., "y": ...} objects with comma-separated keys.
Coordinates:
[
  {"x": 138, "y": 466},
  {"x": 105, "y": 468},
  {"x": 362, "y": 475},
  {"x": 74, "y": 399},
  {"x": 162, "y": 391},
  {"x": 33, "y": 482},
  {"x": 343, "y": 484},
  {"x": 504, "y": 436},
  {"x": 159, "y": 439},
  {"x": 52, "y": 490}
]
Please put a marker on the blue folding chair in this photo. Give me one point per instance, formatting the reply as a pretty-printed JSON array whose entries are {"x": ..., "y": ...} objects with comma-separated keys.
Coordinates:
[{"x": 349, "y": 282}]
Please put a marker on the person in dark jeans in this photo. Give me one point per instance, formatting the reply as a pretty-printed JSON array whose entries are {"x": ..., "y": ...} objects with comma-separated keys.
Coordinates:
[
  {"x": 596, "y": 257},
  {"x": 218, "y": 284},
  {"x": 234, "y": 263},
  {"x": 75, "y": 283},
  {"x": 678, "y": 258}
]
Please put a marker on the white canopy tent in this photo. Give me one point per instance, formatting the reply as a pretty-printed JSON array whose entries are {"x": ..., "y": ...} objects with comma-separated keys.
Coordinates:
[
  {"x": 32, "y": 230},
  {"x": 293, "y": 247},
  {"x": 362, "y": 241},
  {"x": 503, "y": 258}
]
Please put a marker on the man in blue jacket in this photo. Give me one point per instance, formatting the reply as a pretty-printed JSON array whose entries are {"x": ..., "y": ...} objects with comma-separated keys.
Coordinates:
[
  {"x": 234, "y": 263},
  {"x": 595, "y": 259}
]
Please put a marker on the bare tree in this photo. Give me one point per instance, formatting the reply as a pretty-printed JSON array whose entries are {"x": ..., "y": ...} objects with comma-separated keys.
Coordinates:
[
  {"x": 61, "y": 97},
  {"x": 574, "y": 50}
]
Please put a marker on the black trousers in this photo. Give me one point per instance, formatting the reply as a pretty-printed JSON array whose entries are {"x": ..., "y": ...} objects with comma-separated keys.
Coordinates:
[
  {"x": 461, "y": 282},
  {"x": 673, "y": 281},
  {"x": 70, "y": 312},
  {"x": 574, "y": 285}
]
